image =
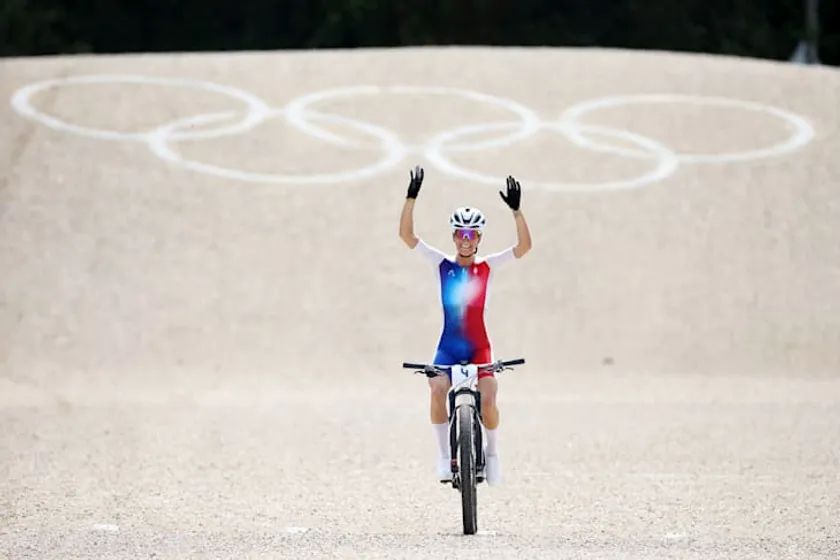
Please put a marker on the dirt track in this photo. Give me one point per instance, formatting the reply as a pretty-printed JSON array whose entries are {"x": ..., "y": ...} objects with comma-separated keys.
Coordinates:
[{"x": 203, "y": 365}]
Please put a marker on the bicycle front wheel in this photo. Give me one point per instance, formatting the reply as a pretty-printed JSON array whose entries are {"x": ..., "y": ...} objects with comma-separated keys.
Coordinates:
[{"x": 466, "y": 468}]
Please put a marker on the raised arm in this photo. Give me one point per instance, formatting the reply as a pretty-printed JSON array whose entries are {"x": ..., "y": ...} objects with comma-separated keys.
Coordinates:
[
  {"x": 407, "y": 215},
  {"x": 523, "y": 235},
  {"x": 513, "y": 199},
  {"x": 407, "y": 224}
]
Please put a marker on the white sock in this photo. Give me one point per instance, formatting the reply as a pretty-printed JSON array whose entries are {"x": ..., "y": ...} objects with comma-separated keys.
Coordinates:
[
  {"x": 492, "y": 441},
  {"x": 442, "y": 433}
]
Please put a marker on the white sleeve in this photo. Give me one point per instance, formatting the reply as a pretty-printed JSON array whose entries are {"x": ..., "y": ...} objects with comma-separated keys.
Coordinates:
[
  {"x": 431, "y": 254},
  {"x": 500, "y": 258}
]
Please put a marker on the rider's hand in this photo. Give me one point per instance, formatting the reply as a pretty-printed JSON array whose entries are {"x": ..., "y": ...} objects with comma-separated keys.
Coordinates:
[
  {"x": 514, "y": 194},
  {"x": 416, "y": 181}
]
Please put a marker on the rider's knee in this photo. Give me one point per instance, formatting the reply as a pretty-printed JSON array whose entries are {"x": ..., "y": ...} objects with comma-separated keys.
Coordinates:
[
  {"x": 488, "y": 400},
  {"x": 438, "y": 391}
]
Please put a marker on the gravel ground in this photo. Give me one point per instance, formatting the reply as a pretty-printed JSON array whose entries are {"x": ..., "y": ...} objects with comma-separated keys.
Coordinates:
[{"x": 204, "y": 366}]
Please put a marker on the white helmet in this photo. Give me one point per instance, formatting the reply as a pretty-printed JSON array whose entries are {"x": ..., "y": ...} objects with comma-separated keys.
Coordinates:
[{"x": 467, "y": 218}]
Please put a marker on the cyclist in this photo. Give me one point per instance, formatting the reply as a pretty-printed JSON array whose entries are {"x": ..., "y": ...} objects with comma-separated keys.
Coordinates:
[{"x": 464, "y": 280}]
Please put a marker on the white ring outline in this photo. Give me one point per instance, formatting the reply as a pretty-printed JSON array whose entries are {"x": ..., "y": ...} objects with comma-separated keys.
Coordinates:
[
  {"x": 666, "y": 166},
  {"x": 158, "y": 139},
  {"x": 802, "y": 134},
  {"x": 257, "y": 109},
  {"x": 159, "y": 145},
  {"x": 529, "y": 125},
  {"x": 298, "y": 108}
]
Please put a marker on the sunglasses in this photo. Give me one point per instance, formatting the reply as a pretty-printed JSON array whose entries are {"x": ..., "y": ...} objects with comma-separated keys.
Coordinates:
[{"x": 470, "y": 234}]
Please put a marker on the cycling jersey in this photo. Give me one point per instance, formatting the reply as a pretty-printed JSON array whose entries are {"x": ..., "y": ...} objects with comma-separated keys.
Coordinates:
[{"x": 463, "y": 296}]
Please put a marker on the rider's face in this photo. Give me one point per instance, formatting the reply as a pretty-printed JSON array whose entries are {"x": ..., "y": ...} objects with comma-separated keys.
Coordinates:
[{"x": 466, "y": 241}]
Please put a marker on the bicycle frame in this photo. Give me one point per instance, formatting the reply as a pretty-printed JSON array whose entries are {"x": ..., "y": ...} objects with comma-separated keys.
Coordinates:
[{"x": 463, "y": 393}]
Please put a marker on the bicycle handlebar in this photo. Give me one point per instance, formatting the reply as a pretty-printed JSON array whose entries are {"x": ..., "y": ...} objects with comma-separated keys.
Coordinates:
[{"x": 497, "y": 365}]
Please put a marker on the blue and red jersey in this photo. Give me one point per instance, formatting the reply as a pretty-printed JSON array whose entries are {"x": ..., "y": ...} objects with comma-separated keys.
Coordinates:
[{"x": 464, "y": 296}]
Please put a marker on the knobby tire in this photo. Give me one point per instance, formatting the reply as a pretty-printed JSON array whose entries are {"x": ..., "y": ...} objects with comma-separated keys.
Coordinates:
[{"x": 466, "y": 452}]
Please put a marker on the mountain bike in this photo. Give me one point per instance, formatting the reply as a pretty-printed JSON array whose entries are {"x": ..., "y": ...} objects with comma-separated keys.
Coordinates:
[{"x": 465, "y": 428}]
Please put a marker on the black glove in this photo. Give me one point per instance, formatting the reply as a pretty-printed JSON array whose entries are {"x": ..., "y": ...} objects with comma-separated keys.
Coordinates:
[
  {"x": 416, "y": 181},
  {"x": 514, "y": 194}
]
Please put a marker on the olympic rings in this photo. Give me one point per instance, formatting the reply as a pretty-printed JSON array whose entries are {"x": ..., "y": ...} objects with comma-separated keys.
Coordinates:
[{"x": 299, "y": 114}]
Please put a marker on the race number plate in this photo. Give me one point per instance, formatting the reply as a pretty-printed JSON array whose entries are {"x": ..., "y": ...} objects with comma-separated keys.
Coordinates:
[{"x": 460, "y": 373}]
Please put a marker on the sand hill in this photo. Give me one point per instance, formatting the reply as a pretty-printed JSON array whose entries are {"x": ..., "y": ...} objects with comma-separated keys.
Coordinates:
[{"x": 204, "y": 303}]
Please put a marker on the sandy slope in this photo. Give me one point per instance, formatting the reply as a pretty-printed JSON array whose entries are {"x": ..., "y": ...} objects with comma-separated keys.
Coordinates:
[{"x": 195, "y": 364}]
